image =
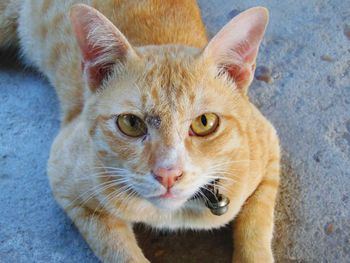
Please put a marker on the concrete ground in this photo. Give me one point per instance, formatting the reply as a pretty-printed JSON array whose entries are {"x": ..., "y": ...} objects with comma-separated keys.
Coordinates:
[{"x": 304, "y": 89}]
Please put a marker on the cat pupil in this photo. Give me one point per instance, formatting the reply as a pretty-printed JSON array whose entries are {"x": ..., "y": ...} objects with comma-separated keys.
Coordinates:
[
  {"x": 204, "y": 120},
  {"x": 132, "y": 121}
]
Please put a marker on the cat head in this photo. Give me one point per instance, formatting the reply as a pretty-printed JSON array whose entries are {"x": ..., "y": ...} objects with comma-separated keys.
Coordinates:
[{"x": 167, "y": 120}]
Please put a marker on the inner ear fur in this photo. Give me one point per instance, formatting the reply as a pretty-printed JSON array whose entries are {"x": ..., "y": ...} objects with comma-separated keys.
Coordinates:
[
  {"x": 101, "y": 44},
  {"x": 235, "y": 47}
]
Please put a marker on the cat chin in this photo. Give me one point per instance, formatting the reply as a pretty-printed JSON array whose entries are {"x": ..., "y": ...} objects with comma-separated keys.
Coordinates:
[{"x": 168, "y": 204}]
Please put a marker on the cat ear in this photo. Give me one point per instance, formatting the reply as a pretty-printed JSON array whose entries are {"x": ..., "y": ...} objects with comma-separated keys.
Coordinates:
[
  {"x": 102, "y": 45},
  {"x": 235, "y": 47}
]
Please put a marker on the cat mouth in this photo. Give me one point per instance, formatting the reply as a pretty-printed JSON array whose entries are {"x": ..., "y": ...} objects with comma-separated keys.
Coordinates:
[
  {"x": 209, "y": 195},
  {"x": 167, "y": 195}
]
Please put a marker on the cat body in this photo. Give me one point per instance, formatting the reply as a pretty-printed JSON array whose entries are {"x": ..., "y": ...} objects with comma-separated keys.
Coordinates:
[{"x": 158, "y": 71}]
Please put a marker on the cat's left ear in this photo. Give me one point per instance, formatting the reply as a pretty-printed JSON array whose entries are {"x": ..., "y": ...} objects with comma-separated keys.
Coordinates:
[
  {"x": 234, "y": 49},
  {"x": 101, "y": 44}
]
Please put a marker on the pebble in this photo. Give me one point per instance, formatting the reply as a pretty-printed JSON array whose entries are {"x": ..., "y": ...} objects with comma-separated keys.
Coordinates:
[
  {"x": 329, "y": 228},
  {"x": 317, "y": 157},
  {"x": 276, "y": 75},
  {"x": 347, "y": 31},
  {"x": 264, "y": 73},
  {"x": 327, "y": 58}
]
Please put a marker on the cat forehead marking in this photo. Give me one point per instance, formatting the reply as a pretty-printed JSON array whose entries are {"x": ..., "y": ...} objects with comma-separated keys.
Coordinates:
[{"x": 153, "y": 121}]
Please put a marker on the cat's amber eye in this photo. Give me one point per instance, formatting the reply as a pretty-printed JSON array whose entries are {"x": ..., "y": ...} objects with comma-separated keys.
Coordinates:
[
  {"x": 131, "y": 125},
  {"x": 205, "y": 124}
]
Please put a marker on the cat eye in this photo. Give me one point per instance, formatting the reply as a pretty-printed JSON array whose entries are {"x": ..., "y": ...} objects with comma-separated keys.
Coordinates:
[
  {"x": 131, "y": 125},
  {"x": 205, "y": 124}
]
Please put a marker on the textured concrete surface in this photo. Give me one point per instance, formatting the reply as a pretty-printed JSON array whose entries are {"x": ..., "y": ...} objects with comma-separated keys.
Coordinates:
[{"x": 305, "y": 59}]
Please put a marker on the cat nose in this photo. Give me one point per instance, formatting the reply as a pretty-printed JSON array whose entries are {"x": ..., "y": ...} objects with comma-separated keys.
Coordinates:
[{"x": 167, "y": 177}]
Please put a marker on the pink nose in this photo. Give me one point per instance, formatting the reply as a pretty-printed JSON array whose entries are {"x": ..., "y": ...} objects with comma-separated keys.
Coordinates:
[{"x": 167, "y": 177}]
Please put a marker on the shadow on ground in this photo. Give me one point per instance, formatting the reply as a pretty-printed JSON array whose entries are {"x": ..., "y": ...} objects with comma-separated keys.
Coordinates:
[{"x": 190, "y": 247}]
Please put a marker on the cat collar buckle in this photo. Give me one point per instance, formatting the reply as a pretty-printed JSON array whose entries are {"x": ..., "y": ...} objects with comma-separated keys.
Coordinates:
[{"x": 216, "y": 202}]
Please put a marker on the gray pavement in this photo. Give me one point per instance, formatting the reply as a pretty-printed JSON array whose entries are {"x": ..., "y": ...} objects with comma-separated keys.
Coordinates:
[{"x": 307, "y": 56}]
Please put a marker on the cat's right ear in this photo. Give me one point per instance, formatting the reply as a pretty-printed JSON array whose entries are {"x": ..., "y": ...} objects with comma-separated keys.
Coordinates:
[{"x": 102, "y": 45}]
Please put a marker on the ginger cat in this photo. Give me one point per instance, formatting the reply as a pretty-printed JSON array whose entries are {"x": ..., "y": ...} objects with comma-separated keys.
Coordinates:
[{"x": 152, "y": 116}]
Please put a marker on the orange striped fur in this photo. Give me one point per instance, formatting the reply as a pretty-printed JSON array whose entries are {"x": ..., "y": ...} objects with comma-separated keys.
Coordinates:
[{"x": 155, "y": 62}]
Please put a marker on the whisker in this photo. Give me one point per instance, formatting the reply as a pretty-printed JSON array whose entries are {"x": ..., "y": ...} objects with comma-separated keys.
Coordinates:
[
  {"x": 96, "y": 190},
  {"x": 226, "y": 163},
  {"x": 214, "y": 177},
  {"x": 110, "y": 168},
  {"x": 128, "y": 198},
  {"x": 202, "y": 194},
  {"x": 216, "y": 173},
  {"x": 100, "y": 175},
  {"x": 224, "y": 180},
  {"x": 221, "y": 187},
  {"x": 108, "y": 198}
]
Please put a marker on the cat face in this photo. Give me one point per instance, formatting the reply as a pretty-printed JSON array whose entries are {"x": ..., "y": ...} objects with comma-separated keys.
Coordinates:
[
  {"x": 169, "y": 90},
  {"x": 167, "y": 120}
]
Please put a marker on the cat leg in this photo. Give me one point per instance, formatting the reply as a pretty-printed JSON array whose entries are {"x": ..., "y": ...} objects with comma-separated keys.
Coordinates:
[
  {"x": 254, "y": 225},
  {"x": 111, "y": 239},
  {"x": 9, "y": 12}
]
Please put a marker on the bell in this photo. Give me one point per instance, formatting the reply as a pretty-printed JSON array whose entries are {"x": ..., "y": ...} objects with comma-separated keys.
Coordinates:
[{"x": 219, "y": 205}]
